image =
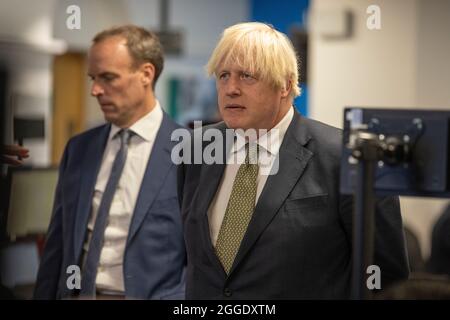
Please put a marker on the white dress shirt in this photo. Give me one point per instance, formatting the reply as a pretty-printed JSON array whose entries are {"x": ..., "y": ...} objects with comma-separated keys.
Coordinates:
[
  {"x": 269, "y": 146},
  {"x": 110, "y": 270}
]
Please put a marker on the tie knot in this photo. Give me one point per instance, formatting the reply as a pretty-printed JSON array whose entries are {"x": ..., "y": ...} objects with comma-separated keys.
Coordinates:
[{"x": 125, "y": 136}]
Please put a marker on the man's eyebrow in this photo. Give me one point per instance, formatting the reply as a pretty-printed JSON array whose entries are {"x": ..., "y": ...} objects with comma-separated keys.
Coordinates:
[{"x": 106, "y": 73}]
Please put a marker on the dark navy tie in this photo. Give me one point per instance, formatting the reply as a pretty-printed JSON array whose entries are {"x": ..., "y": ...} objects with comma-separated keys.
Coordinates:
[{"x": 96, "y": 242}]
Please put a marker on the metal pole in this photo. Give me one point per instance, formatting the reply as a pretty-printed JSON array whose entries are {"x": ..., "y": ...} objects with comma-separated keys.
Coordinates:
[{"x": 363, "y": 217}]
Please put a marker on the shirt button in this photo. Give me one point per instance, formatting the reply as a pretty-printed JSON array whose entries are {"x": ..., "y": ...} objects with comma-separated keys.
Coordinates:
[{"x": 227, "y": 292}]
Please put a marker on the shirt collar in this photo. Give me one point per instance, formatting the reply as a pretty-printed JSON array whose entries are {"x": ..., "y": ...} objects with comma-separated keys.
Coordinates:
[{"x": 145, "y": 126}]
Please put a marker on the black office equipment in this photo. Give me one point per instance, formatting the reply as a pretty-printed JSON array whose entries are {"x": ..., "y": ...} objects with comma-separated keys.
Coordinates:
[
  {"x": 390, "y": 152},
  {"x": 28, "y": 128}
]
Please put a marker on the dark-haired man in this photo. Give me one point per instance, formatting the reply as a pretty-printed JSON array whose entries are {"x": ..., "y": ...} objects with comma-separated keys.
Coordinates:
[{"x": 116, "y": 219}]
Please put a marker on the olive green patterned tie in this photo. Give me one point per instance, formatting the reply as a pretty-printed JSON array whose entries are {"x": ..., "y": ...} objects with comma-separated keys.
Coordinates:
[{"x": 239, "y": 209}]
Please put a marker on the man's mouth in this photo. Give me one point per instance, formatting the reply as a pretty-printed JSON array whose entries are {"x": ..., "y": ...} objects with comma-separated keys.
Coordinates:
[
  {"x": 234, "y": 106},
  {"x": 106, "y": 105}
]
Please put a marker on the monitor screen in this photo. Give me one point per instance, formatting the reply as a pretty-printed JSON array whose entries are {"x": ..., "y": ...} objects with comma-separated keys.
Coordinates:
[{"x": 419, "y": 138}]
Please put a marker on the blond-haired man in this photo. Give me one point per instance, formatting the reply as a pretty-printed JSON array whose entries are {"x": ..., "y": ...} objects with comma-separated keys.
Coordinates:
[{"x": 284, "y": 235}]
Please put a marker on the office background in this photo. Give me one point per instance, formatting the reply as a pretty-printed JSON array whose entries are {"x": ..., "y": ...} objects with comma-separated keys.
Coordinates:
[{"x": 403, "y": 64}]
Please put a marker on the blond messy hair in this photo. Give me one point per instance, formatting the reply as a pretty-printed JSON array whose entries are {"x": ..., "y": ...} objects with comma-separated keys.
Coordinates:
[{"x": 259, "y": 49}]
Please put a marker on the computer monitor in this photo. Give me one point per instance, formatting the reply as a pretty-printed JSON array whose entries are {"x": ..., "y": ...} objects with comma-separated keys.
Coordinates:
[
  {"x": 30, "y": 201},
  {"x": 416, "y": 150}
]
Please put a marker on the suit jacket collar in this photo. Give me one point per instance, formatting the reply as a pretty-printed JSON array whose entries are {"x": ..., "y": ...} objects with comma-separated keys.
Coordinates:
[{"x": 209, "y": 180}]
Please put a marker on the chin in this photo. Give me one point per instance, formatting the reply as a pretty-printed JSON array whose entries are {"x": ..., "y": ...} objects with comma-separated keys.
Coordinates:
[
  {"x": 237, "y": 125},
  {"x": 111, "y": 119},
  {"x": 233, "y": 122}
]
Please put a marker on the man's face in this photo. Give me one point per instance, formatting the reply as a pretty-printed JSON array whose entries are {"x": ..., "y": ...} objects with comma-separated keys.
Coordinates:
[
  {"x": 246, "y": 102},
  {"x": 118, "y": 88}
]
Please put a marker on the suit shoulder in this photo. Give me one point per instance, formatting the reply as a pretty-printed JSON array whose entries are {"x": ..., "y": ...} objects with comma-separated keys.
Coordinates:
[
  {"x": 322, "y": 131},
  {"x": 170, "y": 124},
  {"x": 325, "y": 139}
]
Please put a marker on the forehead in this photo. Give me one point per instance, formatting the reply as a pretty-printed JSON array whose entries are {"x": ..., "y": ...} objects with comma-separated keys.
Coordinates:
[
  {"x": 234, "y": 66},
  {"x": 110, "y": 54},
  {"x": 237, "y": 59}
]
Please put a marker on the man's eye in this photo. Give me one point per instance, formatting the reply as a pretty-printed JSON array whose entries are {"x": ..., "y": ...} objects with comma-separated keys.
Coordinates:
[
  {"x": 108, "y": 77},
  {"x": 223, "y": 76},
  {"x": 248, "y": 77}
]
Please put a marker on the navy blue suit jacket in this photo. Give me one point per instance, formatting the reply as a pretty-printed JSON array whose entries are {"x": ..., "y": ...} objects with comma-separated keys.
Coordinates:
[{"x": 154, "y": 259}]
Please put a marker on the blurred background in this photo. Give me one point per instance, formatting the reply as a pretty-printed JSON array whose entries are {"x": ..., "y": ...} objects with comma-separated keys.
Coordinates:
[{"x": 377, "y": 53}]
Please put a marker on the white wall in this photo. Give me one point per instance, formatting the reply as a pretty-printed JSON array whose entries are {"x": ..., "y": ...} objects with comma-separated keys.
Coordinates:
[
  {"x": 95, "y": 16},
  {"x": 433, "y": 63},
  {"x": 403, "y": 65},
  {"x": 371, "y": 68},
  {"x": 27, "y": 21},
  {"x": 26, "y": 48}
]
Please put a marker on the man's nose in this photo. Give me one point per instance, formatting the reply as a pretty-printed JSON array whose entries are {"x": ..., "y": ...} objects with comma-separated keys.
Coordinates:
[
  {"x": 96, "y": 89},
  {"x": 233, "y": 87}
]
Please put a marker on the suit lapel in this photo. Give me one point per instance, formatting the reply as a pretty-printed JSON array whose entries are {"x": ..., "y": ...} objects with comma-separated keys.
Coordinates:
[
  {"x": 293, "y": 158},
  {"x": 88, "y": 171},
  {"x": 155, "y": 174},
  {"x": 210, "y": 177},
  {"x": 209, "y": 181}
]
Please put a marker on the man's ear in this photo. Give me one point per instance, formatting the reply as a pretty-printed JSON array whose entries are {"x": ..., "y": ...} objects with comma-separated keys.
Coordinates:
[
  {"x": 148, "y": 73},
  {"x": 285, "y": 90}
]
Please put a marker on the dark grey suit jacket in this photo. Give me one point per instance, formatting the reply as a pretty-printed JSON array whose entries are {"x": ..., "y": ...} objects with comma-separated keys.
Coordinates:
[{"x": 298, "y": 244}]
